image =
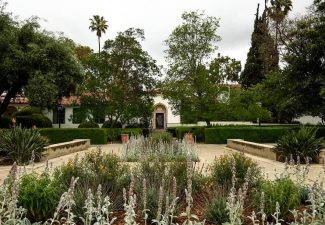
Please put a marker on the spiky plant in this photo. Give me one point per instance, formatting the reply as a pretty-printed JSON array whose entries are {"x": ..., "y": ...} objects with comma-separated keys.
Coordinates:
[
  {"x": 21, "y": 144},
  {"x": 302, "y": 143}
]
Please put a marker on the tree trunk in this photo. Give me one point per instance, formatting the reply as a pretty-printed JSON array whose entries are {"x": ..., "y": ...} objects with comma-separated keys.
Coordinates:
[
  {"x": 98, "y": 44},
  {"x": 11, "y": 93}
]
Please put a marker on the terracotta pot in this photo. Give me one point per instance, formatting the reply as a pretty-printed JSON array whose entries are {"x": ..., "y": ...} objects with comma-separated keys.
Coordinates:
[
  {"x": 124, "y": 138},
  {"x": 189, "y": 138}
]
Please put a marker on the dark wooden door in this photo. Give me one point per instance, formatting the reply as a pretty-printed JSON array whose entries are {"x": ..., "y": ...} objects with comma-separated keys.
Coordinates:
[{"x": 160, "y": 121}]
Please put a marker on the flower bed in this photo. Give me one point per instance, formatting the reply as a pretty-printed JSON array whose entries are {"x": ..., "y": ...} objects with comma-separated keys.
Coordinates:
[
  {"x": 103, "y": 189},
  {"x": 172, "y": 150}
]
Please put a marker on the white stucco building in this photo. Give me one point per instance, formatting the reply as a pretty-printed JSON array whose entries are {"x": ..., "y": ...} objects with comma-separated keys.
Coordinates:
[
  {"x": 162, "y": 116},
  {"x": 161, "y": 119}
]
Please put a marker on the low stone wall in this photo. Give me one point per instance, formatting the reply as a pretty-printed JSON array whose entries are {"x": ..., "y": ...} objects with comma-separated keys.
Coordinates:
[
  {"x": 65, "y": 148},
  {"x": 261, "y": 150}
]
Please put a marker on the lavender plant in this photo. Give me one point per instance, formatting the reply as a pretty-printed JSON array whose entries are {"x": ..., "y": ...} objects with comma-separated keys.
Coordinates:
[
  {"x": 189, "y": 199},
  {"x": 129, "y": 207},
  {"x": 235, "y": 201},
  {"x": 139, "y": 147}
]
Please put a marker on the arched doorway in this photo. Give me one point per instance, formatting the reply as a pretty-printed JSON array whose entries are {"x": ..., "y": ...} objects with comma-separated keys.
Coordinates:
[{"x": 159, "y": 117}]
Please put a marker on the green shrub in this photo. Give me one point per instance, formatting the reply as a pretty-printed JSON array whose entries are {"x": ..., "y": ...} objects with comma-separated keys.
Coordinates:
[
  {"x": 88, "y": 124},
  {"x": 5, "y": 122},
  {"x": 94, "y": 169},
  {"x": 219, "y": 135},
  {"x": 58, "y": 135},
  {"x": 198, "y": 132},
  {"x": 132, "y": 131},
  {"x": 216, "y": 211},
  {"x": 161, "y": 136},
  {"x": 114, "y": 134},
  {"x": 136, "y": 125},
  {"x": 222, "y": 174},
  {"x": 172, "y": 130},
  {"x": 284, "y": 191},
  {"x": 107, "y": 124},
  {"x": 155, "y": 172},
  {"x": 146, "y": 132},
  {"x": 39, "y": 195},
  {"x": 302, "y": 143},
  {"x": 39, "y": 120},
  {"x": 17, "y": 144},
  {"x": 27, "y": 111}
]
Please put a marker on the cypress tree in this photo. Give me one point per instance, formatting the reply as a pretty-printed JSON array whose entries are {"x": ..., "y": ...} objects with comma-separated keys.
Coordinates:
[{"x": 262, "y": 57}]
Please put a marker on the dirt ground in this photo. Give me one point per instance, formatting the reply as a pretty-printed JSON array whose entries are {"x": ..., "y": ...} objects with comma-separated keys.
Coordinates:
[{"x": 207, "y": 153}]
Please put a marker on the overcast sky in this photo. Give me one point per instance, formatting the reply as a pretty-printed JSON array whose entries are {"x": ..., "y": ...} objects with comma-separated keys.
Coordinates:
[{"x": 157, "y": 18}]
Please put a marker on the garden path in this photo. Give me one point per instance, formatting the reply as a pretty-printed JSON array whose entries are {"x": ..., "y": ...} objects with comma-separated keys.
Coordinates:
[{"x": 207, "y": 153}]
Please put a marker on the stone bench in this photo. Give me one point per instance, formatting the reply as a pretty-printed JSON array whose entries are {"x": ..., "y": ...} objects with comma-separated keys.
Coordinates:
[
  {"x": 65, "y": 148},
  {"x": 261, "y": 150}
]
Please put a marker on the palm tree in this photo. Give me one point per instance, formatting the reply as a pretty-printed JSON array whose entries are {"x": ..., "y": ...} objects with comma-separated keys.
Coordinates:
[
  {"x": 278, "y": 12},
  {"x": 98, "y": 24}
]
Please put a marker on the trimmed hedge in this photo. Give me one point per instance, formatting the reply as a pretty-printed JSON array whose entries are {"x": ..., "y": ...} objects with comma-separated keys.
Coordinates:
[
  {"x": 27, "y": 111},
  {"x": 107, "y": 124},
  {"x": 88, "y": 124},
  {"x": 198, "y": 132},
  {"x": 38, "y": 120},
  {"x": 114, "y": 134},
  {"x": 58, "y": 135},
  {"x": 219, "y": 135}
]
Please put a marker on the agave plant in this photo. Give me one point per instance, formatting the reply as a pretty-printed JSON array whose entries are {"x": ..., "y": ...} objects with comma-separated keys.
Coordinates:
[
  {"x": 302, "y": 143},
  {"x": 22, "y": 145}
]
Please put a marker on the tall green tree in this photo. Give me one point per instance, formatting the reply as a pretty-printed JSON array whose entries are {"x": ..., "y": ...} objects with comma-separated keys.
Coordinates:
[
  {"x": 194, "y": 80},
  {"x": 299, "y": 88},
  {"x": 99, "y": 25},
  {"x": 262, "y": 57},
  {"x": 25, "y": 51},
  {"x": 242, "y": 105},
  {"x": 305, "y": 71},
  {"x": 274, "y": 93},
  {"x": 120, "y": 81}
]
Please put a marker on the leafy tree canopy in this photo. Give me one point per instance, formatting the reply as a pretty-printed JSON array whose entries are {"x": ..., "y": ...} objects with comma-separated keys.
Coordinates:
[
  {"x": 298, "y": 89},
  {"x": 194, "y": 79},
  {"x": 26, "y": 53},
  {"x": 120, "y": 81}
]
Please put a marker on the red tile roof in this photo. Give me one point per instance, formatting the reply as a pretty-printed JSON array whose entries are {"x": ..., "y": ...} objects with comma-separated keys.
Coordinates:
[{"x": 22, "y": 100}]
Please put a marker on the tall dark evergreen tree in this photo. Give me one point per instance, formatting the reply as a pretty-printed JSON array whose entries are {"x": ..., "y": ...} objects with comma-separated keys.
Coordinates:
[{"x": 262, "y": 58}]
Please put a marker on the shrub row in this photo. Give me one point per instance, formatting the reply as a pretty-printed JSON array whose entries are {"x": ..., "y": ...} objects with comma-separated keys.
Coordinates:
[
  {"x": 114, "y": 134},
  {"x": 179, "y": 132},
  {"x": 96, "y": 135},
  {"x": 27, "y": 121},
  {"x": 219, "y": 135},
  {"x": 57, "y": 135},
  {"x": 38, "y": 120}
]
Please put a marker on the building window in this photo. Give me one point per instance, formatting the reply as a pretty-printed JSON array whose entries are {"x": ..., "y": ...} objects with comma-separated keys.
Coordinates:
[{"x": 59, "y": 116}]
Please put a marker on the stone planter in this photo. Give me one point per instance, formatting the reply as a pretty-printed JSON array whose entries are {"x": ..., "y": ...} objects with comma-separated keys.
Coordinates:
[
  {"x": 189, "y": 138},
  {"x": 124, "y": 138}
]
